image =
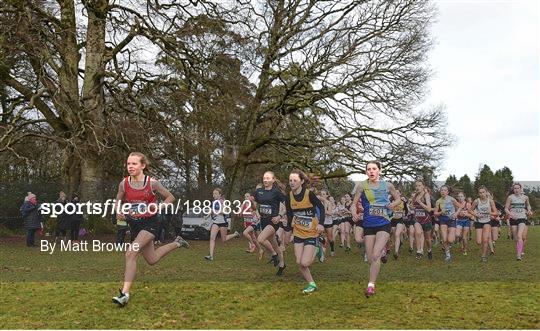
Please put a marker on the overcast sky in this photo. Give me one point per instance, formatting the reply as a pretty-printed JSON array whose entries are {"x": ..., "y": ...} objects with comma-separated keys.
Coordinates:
[{"x": 486, "y": 72}]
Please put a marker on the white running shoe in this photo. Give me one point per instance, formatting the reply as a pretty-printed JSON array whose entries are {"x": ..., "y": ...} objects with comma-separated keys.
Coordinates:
[
  {"x": 122, "y": 299},
  {"x": 181, "y": 242}
]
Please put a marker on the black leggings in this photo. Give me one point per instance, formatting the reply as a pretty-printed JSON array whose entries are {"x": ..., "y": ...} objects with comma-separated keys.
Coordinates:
[
  {"x": 30, "y": 235},
  {"x": 74, "y": 230}
]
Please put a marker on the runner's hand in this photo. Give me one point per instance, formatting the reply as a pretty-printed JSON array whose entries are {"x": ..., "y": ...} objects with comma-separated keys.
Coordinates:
[
  {"x": 276, "y": 219},
  {"x": 121, "y": 217},
  {"x": 320, "y": 229}
]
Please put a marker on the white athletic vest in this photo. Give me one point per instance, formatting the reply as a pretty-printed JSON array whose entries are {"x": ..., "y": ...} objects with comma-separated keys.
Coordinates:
[
  {"x": 484, "y": 208},
  {"x": 517, "y": 207}
]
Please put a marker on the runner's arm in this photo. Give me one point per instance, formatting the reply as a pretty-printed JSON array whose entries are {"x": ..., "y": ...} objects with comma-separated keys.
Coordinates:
[
  {"x": 118, "y": 204},
  {"x": 473, "y": 208},
  {"x": 507, "y": 206},
  {"x": 457, "y": 206},
  {"x": 318, "y": 204},
  {"x": 494, "y": 210},
  {"x": 357, "y": 193},
  {"x": 158, "y": 187},
  {"x": 395, "y": 195},
  {"x": 528, "y": 204}
]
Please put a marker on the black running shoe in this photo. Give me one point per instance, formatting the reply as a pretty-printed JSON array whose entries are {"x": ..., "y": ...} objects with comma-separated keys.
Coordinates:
[
  {"x": 280, "y": 270},
  {"x": 395, "y": 256},
  {"x": 384, "y": 258},
  {"x": 274, "y": 260},
  {"x": 430, "y": 255},
  {"x": 419, "y": 256}
]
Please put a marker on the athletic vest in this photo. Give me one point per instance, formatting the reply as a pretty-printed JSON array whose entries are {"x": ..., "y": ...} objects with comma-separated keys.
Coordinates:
[
  {"x": 140, "y": 199},
  {"x": 446, "y": 207},
  {"x": 375, "y": 202},
  {"x": 421, "y": 215},
  {"x": 484, "y": 209},
  {"x": 304, "y": 220},
  {"x": 218, "y": 206},
  {"x": 464, "y": 211},
  {"x": 517, "y": 207}
]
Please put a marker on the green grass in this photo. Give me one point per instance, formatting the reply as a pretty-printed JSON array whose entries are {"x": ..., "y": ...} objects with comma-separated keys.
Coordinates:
[{"x": 73, "y": 290}]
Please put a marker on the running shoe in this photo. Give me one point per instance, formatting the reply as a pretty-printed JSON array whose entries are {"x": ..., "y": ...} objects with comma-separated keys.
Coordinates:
[
  {"x": 181, "y": 242},
  {"x": 370, "y": 291},
  {"x": 430, "y": 255},
  {"x": 395, "y": 256},
  {"x": 274, "y": 260},
  {"x": 410, "y": 250},
  {"x": 280, "y": 270},
  {"x": 384, "y": 258},
  {"x": 447, "y": 257},
  {"x": 209, "y": 258},
  {"x": 332, "y": 253},
  {"x": 310, "y": 289},
  {"x": 365, "y": 257},
  {"x": 419, "y": 256},
  {"x": 347, "y": 249},
  {"x": 464, "y": 253},
  {"x": 483, "y": 259},
  {"x": 236, "y": 234},
  {"x": 121, "y": 300},
  {"x": 518, "y": 258}
]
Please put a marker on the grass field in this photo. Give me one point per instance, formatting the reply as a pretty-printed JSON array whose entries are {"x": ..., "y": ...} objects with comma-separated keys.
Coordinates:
[{"x": 73, "y": 290}]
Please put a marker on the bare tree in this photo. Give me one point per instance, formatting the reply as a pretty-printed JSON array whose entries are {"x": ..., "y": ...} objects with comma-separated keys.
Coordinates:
[
  {"x": 63, "y": 63},
  {"x": 356, "y": 67}
]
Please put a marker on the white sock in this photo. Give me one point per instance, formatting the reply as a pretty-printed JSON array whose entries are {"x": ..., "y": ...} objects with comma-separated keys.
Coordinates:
[{"x": 370, "y": 284}]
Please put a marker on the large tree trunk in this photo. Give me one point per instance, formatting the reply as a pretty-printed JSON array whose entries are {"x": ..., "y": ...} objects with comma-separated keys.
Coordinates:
[
  {"x": 91, "y": 174},
  {"x": 93, "y": 100},
  {"x": 71, "y": 170}
]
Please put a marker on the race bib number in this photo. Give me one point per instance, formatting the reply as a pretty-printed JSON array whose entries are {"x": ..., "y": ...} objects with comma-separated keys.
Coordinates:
[
  {"x": 517, "y": 210},
  {"x": 377, "y": 210},
  {"x": 420, "y": 213},
  {"x": 485, "y": 216},
  {"x": 265, "y": 209},
  {"x": 303, "y": 221},
  {"x": 398, "y": 214}
]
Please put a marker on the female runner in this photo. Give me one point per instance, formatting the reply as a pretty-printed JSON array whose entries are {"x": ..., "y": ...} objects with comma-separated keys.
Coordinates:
[{"x": 138, "y": 190}]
